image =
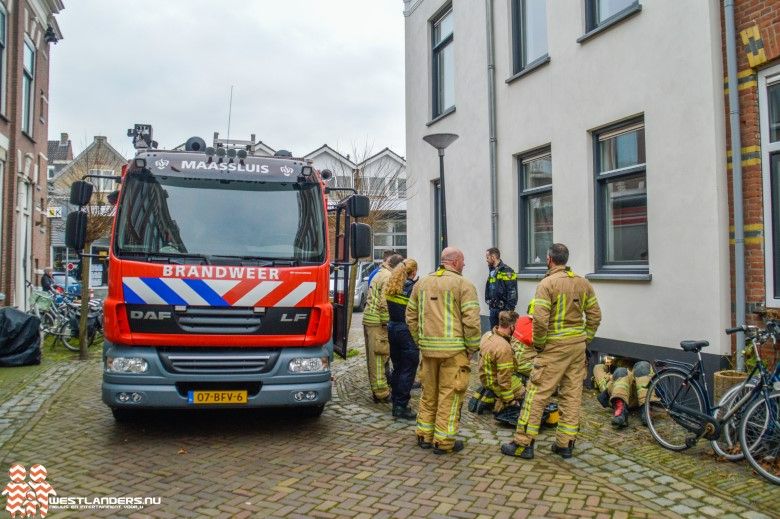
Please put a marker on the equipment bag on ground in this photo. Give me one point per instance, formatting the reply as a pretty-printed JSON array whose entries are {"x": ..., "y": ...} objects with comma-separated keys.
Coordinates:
[{"x": 20, "y": 338}]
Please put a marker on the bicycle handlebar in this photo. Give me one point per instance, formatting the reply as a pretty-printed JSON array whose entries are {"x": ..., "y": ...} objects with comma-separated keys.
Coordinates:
[{"x": 736, "y": 329}]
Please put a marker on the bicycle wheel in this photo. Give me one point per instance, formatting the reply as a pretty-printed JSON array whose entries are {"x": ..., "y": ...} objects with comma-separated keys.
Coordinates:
[
  {"x": 759, "y": 435},
  {"x": 668, "y": 427},
  {"x": 67, "y": 338},
  {"x": 728, "y": 446}
]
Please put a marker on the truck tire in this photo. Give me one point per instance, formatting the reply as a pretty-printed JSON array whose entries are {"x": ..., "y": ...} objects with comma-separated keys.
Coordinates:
[
  {"x": 311, "y": 411},
  {"x": 122, "y": 415},
  {"x": 362, "y": 304}
]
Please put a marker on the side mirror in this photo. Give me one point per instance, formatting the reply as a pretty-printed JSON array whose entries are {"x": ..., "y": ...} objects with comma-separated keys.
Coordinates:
[
  {"x": 358, "y": 206},
  {"x": 76, "y": 230},
  {"x": 112, "y": 197},
  {"x": 360, "y": 240},
  {"x": 80, "y": 193}
]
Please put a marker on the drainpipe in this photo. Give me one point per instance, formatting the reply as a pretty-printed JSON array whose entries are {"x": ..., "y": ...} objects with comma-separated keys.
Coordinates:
[
  {"x": 736, "y": 182},
  {"x": 491, "y": 59}
]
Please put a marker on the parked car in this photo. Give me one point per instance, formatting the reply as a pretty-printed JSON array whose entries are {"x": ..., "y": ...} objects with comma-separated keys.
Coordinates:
[
  {"x": 361, "y": 284},
  {"x": 74, "y": 286}
]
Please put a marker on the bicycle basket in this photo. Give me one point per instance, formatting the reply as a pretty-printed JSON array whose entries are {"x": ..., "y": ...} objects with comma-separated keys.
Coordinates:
[{"x": 41, "y": 300}]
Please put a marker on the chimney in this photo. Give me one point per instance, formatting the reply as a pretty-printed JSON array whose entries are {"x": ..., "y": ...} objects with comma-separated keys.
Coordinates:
[
  {"x": 253, "y": 138},
  {"x": 63, "y": 139},
  {"x": 100, "y": 138}
]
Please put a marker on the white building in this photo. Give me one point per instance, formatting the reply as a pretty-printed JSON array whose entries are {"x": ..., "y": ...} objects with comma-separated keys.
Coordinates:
[{"x": 609, "y": 137}]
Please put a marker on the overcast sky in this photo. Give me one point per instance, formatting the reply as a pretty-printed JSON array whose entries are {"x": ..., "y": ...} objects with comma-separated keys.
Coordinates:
[{"x": 305, "y": 72}]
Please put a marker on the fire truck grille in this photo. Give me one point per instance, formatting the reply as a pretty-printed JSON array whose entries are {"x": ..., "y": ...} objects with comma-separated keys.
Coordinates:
[
  {"x": 217, "y": 360},
  {"x": 228, "y": 321}
]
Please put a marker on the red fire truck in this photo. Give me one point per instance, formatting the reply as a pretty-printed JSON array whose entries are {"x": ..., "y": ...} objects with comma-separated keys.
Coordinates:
[{"x": 218, "y": 291}]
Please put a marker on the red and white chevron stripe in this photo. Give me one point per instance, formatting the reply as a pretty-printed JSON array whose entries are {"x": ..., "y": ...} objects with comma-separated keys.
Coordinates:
[
  {"x": 17, "y": 495},
  {"x": 17, "y": 473}
]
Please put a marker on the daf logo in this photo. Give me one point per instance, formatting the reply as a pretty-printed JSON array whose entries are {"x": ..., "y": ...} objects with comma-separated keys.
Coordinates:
[
  {"x": 287, "y": 170},
  {"x": 286, "y": 318},
  {"x": 150, "y": 315},
  {"x": 161, "y": 164}
]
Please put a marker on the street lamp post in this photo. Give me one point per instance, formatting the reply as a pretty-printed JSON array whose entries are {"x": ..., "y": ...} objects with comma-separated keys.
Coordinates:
[{"x": 440, "y": 141}]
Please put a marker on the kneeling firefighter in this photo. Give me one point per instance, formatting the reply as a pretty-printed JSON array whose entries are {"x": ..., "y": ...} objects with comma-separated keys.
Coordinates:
[{"x": 623, "y": 389}]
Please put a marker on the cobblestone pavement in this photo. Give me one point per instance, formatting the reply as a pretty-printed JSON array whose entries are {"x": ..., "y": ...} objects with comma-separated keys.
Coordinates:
[{"x": 354, "y": 461}]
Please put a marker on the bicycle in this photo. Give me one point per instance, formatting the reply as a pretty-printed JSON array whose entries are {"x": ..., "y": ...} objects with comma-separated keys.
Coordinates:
[
  {"x": 679, "y": 394},
  {"x": 59, "y": 314},
  {"x": 68, "y": 331}
]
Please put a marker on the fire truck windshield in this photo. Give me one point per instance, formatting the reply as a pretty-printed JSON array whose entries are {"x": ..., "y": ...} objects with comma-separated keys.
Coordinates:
[{"x": 172, "y": 216}]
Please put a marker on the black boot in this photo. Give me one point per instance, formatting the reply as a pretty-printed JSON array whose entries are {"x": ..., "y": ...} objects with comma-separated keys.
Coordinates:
[
  {"x": 603, "y": 399},
  {"x": 563, "y": 452},
  {"x": 404, "y": 413},
  {"x": 519, "y": 451},
  {"x": 456, "y": 447},
  {"x": 620, "y": 416},
  {"x": 423, "y": 444}
]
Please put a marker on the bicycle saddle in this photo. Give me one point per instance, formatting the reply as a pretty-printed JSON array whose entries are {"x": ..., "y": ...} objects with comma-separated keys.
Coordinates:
[{"x": 693, "y": 345}]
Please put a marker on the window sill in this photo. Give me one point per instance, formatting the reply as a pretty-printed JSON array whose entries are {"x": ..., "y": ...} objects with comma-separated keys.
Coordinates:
[
  {"x": 4, "y": 118},
  {"x": 441, "y": 116},
  {"x": 28, "y": 136},
  {"x": 531, "y": 275},
  {"x": 611, "y": 22},
  {"x": 619, "y": 276},
  {"x": 531, "y": 67}
]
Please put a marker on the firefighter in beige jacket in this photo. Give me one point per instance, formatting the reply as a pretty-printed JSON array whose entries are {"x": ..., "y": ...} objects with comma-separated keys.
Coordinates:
[
  {"x": 566, "y": 315},
  {"x": 375, "y": 317},
  {"x": 443, "y": 318}
]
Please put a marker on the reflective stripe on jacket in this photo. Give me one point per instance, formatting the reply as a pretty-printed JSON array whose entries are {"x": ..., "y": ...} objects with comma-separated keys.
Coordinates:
[
  {"x": 564, "y": 308},
  {"x": 497, "y": 364},
  {"x": 501, "y": 288},
  {"x": 396, "y": 304},
  {"x": 443, "y": 314},
  {"x": 375, "y": 312}
]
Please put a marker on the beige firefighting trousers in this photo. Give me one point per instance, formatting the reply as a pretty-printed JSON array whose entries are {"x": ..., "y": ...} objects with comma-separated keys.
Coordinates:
[
  {"x": 562, "y": 366},
  {"x": 377, "y": 357},
  {"x": 623, "y": 384},
  {"x": 444, "y": 383}
]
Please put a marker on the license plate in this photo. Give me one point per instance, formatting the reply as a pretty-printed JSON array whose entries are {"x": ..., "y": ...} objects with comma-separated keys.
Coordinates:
[{"x": 217, "y": 397}]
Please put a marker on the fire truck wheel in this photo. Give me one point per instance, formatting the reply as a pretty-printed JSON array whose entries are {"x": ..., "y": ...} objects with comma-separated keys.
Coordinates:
[
  {"x": 311, "y": 411},
  {"x": 124, "y": 415}
]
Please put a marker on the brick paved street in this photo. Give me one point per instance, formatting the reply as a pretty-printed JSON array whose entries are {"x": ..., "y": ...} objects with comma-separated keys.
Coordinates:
[{"x": 354, "y": 461}]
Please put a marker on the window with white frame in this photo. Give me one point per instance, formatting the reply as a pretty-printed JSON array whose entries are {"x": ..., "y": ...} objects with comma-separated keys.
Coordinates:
[
  {"x": 529, "y": 33},
  {"x": 621, "y": 198},
  {"x": 28, "y": 86},
  {"x": 3, "y": 57},
  {"x": 769, "y": 110},
  {"x": 103, "y": 185},
  {"x": 443, "y": 62},
  {"x": 50, "y": 170},
  {"x": 536, "y": 209}
]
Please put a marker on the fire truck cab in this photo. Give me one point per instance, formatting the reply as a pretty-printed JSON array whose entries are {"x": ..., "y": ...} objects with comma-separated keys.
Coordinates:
[{"x": 218, "y": 292}]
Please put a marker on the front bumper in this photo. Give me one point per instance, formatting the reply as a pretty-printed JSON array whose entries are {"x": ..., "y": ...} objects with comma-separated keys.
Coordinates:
[{"x": 160, "y": 388}]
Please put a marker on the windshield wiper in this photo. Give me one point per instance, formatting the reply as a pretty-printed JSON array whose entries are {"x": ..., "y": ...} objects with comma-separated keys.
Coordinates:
[
  {"x": 168, "y": 257},
  {"x": 260, "y": 261}
]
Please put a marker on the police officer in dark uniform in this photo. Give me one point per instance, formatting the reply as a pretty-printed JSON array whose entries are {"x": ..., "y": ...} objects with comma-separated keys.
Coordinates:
[{"x": 501, "y": 286}]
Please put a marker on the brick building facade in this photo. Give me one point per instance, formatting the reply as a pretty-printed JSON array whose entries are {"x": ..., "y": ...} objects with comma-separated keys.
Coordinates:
[
  {"x": 757, "y": 26},
  {"x": 27, "y": 30}
]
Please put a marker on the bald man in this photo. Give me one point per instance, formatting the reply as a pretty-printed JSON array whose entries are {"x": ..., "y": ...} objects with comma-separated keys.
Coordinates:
[{"x": 443, "y": 319}]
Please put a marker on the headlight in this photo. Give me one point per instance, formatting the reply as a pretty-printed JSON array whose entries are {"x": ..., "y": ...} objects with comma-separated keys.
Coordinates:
[
  {"x": 126, "y": 365},
  {"x": 310, "y": 365}
]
